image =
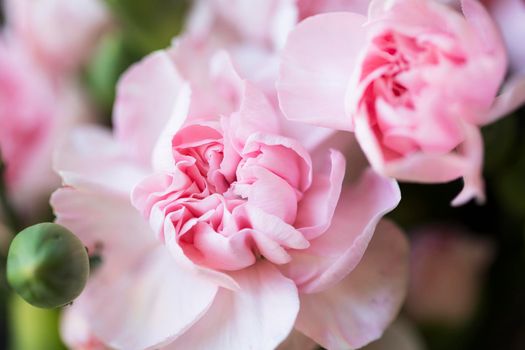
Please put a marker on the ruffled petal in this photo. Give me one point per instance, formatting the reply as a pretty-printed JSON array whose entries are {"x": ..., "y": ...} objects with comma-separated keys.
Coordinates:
[
  {"x": 317, "y": 207},
  {"x": 358, "y": 310},
  {"x": 147, "y": 95},
  {"x": 338, "y": 251}
]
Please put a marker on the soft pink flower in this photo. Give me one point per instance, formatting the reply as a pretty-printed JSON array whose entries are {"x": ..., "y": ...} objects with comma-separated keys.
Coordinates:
[
  {"x": 59, "y": 33},
  {"x": 36, "y": 108},
  {"x": 245, "y": 238},
  {"x": 447, "y": 268},
  {"x": 414, "y": 82},
  {"x": 401, "y": 335}
]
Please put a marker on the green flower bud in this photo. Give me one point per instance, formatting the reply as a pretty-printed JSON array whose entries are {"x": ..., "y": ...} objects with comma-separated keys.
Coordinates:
[{"x": 47, "y": 265}]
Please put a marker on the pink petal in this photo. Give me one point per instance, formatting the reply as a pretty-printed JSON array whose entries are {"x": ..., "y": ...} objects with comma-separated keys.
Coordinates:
[
  {"x": 317, "y": 207},
  {"x": 472, "y": 152},
  {"x": 89, "y": 157},
  {"x": 146, "y": 99},
  {"x": 75, "y": 329},
  {"x": 338, "y": 251},
  {"x": 147, "y": 303},
  {"x": 512, "y": 97},
  {"x": 510, "y": 16},
  {"x": 258, "y": 316},
  {"x": 255, "y": 115},
  {"x": 485, "y": 27},
  {"x": 430, "y": 167},
  {"x": 162, "y": 156},
  {"x": 317, "y": 62},
  {"x": 358, "y": 310},
  {"x": 103, "y": 221}
]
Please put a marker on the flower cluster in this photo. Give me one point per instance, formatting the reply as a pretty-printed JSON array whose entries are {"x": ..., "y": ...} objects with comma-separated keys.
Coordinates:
[{"x": 238, "y": 201}]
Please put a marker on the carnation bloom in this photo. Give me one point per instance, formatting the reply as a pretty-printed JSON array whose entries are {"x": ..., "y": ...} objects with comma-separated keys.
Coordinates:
[
  {"x": 219, "y": 229},
  {"x": 414, "y": 81}
]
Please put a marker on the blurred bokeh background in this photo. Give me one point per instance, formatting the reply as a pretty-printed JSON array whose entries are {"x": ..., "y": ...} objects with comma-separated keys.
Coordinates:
[{"x": 468, "y": 282}]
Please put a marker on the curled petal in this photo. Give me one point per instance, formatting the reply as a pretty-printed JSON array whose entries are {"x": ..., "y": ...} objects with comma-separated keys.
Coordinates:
[
  {"x": 356, "y": 311},
  {"x": 146, "y": 99},
  {"x": 338, "y": 251},
  {"x": 317, "y": 207}
]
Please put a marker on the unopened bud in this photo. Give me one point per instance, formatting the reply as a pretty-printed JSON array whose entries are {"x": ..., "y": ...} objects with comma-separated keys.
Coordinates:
[{"x": 47, "y": 265}]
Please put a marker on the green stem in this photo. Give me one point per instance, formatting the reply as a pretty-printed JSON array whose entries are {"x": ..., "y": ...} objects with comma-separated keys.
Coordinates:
[{"x": 11, "y": 217}]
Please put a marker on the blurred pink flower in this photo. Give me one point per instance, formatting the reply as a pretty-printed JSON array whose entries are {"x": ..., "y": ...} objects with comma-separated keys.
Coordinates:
[
  {"x": 60, "y": 34},
  {"x": 414, "y": 82},
  {"x": 247, "y": 238},
  {"x": 401, "y": 335},
  {"x": 36, "y": 108},
  {"x": 41, "y": 44},
  {"x": 447, "y": 268}
]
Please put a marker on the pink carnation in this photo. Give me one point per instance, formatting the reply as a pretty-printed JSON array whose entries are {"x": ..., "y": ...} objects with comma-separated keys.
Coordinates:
[
  {"x": 414, "y": 81},
  {"x": 241, "y": 234}
]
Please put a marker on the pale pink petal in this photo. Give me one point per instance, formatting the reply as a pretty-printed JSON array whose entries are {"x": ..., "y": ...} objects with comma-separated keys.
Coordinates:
[
  {"x": 512, "y": 97},
  {"x": 358, "y": 309},
  {"x": 146, "y": 99},
  {"x": 485, "y": 27},
  {"x": 162, "y": 156},
  {"x": 312, "y": 218},
  {"x": 255, "y": 114},
  {"x": 104, "y": 221},
  {"x": 431, "y": 167},
  {"x": 215, "y": 84},
  {"x": 146, "y": 303},
  {"x": 258, "y": 316},
  {"x": 339, "y": 250},
  {"x": 510, "y": 16},
  {"x": 75, "y": 330},
  {"x": 220, "y": 278},
  {"x": 317, "y": 62},
  {"x": 89, "y": 156},
  {"x": 472, "y": 152}
]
